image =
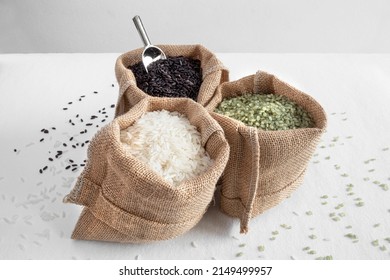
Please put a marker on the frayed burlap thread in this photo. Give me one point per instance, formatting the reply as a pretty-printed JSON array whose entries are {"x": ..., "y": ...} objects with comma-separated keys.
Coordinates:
[
  {"x": 213, "y": 74},
  {"x": 126, "y": 201},
  {"x": 264, "y": 170}
]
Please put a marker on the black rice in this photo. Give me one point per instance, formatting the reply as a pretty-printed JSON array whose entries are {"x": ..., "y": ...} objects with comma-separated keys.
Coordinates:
[{"x": 172, "y": 77}]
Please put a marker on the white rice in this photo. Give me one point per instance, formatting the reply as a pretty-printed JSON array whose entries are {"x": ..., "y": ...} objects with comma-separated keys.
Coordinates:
[{"x": 169, "y": 144}]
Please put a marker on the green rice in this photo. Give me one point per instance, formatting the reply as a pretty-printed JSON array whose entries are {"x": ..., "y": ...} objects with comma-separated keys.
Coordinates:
[{"x": 265, "y": 111}]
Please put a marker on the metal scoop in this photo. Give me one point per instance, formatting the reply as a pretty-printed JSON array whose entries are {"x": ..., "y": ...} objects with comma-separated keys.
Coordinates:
[{"x": 151, "y": 53}]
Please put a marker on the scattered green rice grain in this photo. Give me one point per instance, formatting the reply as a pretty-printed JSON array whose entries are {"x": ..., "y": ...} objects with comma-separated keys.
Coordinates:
[
  {"x": 351, "y": 236},
  {"x": 383, "y": 248},
  {"x": 312, "y": 236},
  {"x": 285, "y": 226},
  {"x": 309, "y": 213},
  {"x": 265, "y": 111},
  {"x": 339, "y": 206},
  {"x": 328, "y": 258},
  {"x": 261, "y": 248},
  {"x": 242, "y": 245},
  {"x": 305, "y": 248},
  {"x": 312, "y": 252},
  {"x": 375, "y": 243},
  {"x": 239, "y": 254}
]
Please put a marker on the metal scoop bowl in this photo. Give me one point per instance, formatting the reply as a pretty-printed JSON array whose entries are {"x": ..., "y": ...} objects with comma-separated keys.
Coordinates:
[{"x": 151, "y": 53}]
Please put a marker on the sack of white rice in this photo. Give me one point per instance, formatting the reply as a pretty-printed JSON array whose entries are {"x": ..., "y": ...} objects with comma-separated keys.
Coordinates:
[
  {"x": 273, "y": 129},
  {"x": 151, "y": 173},
  {"x": 189, "y": 71}
]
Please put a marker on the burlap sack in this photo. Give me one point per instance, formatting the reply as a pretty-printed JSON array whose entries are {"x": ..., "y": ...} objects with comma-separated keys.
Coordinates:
[
  {"x": 213, "y": 72},
  {"x": 125, "y": 201},
  {"x": 264, "y": 167}
]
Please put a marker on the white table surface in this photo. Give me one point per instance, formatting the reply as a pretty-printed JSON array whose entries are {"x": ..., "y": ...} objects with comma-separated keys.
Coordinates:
[{"x": 353, "y": 89}]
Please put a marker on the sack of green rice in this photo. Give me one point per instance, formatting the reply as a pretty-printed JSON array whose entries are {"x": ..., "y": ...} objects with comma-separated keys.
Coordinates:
[
  {"x": 273, "y": 129},
  {"x": 190, "y": 71},
  {"x": 151, "y": 173}
]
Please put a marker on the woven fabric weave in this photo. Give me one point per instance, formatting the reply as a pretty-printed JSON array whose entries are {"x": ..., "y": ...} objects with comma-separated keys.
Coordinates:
[
  {"x": 264, "y": 167},
  {"x": 125, "y": 200},
  {"x": 213, "y": 74}
]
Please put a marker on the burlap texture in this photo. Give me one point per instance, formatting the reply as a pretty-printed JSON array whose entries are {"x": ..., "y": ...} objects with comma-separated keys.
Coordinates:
[
  {"x": 125, "y": 201},
  {"x": 213, "y": 74},
  {"x": 264, "y": 167}
]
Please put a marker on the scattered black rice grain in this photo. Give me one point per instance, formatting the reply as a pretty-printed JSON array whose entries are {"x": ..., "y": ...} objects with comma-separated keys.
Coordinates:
[
  {"x": 50, "y": 159},
  {"x": 82, "y": 144},
  {"x": 41, "y": 139},
  {"x": 112, "y": 106},
  {"x": 71, "y": 138},
  {"x": 45, "y": 131},
  {"x": 53, "y": 128},
  {"x": 86, "y": 142},
  {"x": 103, "y": 120},
  {"x": 172, "y": 77},
  {"x": 74, "y": 146},
  {"x": 15, "y": 150},
  {"x": 75, "y": 164},
  {"x": 44, "y": 168},
  {"x": 64, "y": 144},
  {"x": 65, "y": 109},
  {"x": 95, "y": 92},
  {"x": 81, "y": 120},
  {"x": 112, "y": 85},
  {"x": 74, "y": 169},
  {"x": 88, "y": 124},
  {"x": 82, "y": 164},
  {"x": 70, "y": 103},
  {"x": 67, "y": 167},
  {"x": 71, "y": 161},
  {"x": 77, "y": 115},
  {"x": 82, "y": 96},
  {"x": 93, "y": 117},
  {"x": 40, "y": 171}
]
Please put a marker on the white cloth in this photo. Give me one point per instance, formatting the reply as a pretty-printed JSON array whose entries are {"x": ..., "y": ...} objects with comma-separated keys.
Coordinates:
[{"x": 354, "y": 90}]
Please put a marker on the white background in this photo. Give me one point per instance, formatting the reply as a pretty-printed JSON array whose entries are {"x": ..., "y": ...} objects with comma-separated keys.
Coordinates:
[{"x": 221, "y": 25}]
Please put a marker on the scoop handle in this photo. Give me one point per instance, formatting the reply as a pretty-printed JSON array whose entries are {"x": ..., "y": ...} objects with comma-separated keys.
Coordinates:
[{"x": 141, "y": 30}]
